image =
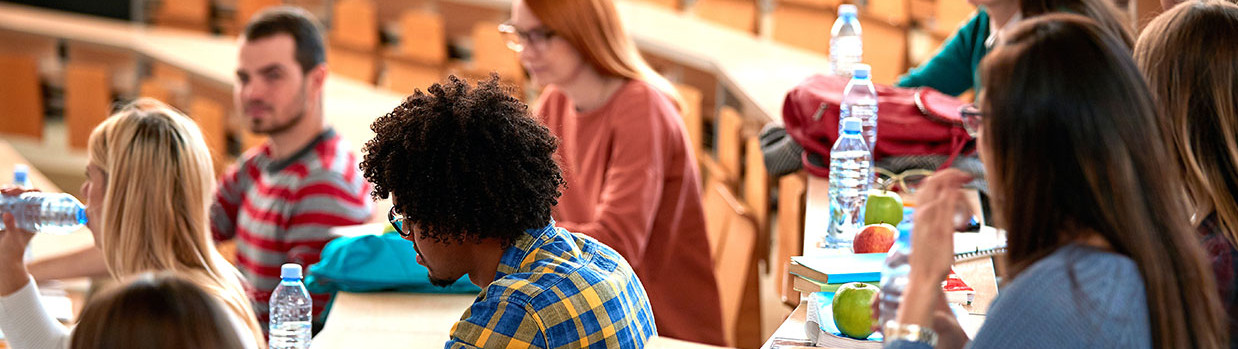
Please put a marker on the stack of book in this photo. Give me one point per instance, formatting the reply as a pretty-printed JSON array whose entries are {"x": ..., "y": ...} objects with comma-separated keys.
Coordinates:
[{"x": 827, "y": 273}]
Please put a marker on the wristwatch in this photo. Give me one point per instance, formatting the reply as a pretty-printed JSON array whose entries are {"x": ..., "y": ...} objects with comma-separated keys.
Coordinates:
[{"x": 894, "y": 331}]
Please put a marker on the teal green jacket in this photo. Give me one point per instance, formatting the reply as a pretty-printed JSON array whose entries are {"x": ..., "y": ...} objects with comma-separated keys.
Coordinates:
[{"x": 953, "y": 69}]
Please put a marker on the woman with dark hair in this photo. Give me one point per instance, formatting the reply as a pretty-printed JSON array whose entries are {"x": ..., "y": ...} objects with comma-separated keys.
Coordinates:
[
  {"x": 1191, "y": 63},
  {"x": 155, "y": 311},
  {"x": 1101, "y": 252},
  {"x": 952, "y": 69}
]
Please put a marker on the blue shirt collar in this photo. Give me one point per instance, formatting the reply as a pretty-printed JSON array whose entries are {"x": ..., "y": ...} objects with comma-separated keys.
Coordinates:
[{"x": 525, "y": 245}]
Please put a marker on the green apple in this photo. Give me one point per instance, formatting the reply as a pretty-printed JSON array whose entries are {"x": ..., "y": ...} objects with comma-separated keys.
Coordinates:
[
  {"x": 853, "y": 309},
  {"x": 883, "y": 206}
]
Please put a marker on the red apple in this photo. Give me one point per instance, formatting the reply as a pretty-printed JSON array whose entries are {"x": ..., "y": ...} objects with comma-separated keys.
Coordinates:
[{"x": 874, "y": 238}]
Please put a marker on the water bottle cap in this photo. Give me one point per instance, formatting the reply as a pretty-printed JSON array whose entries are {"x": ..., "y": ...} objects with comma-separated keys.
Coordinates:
[
  {"x": 860, "y": 71},
  {"x": 852, "y": 125},
  {"x": 21, "y": 174},
  {"x": 847, "y": 9},
  {"x": 290, "y": 271},
  {"x": 81, "y": 215}
]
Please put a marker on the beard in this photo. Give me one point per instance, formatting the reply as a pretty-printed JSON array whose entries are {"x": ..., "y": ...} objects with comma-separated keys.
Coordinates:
[
  {"x": 436, "y": 281},
  {"x": 255, "y": 125},
  {"x": 440, "y": 282},
  {"x": 271, "y": 130}
]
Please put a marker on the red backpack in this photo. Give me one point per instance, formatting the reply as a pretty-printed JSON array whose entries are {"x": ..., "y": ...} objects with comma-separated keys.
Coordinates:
[{"x": 911, "y": 121}]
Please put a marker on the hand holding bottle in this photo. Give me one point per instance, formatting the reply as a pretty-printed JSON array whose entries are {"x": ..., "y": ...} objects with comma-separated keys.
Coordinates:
[{"x": 13, "y": 242}]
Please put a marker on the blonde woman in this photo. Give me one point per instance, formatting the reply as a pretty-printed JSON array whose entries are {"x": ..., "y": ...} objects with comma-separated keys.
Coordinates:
[
  {"x": 149, "y": 184},
  {"x": 1194, "y": 79},
  {"x": 632, "y": 180}
]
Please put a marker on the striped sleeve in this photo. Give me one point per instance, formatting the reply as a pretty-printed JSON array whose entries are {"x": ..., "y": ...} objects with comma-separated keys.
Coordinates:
[{"x": 324, "y": 200}]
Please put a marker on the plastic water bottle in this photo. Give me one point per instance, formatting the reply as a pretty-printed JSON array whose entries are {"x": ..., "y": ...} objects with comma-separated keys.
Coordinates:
[
  {"x": 846, "y": 47},
  {"x": 291, "y": 311},
  {"x": 894, "y": 276},
  {"x": 55, "y": 213},
  {"x": 860, "y": 101},
  {"x": 850, "y": 179}
]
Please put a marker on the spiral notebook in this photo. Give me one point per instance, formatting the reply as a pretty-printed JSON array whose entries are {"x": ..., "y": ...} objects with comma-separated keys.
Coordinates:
[{"x": 987, "y": 242}]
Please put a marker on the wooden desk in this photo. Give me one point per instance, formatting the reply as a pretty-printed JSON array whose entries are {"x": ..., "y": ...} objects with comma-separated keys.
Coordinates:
[
  {"x": 378, "y": 320},
  {"x": 659, "y": 342}
]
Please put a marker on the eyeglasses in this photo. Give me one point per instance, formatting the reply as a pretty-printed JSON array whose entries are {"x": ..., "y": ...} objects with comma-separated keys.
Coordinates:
[
  {"x": 905, "y": 182},
  {"x": 517, "y": 40},
  {"x": 973, "y": 119},
  {"x": 397, "y": 222}
]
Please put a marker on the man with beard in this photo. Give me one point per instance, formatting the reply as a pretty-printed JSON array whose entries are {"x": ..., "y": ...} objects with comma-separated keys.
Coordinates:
[{"x": 279, "y": 201}]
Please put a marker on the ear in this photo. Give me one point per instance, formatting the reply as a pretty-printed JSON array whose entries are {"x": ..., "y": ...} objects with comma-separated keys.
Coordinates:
[{"x": 317, "y": 77}]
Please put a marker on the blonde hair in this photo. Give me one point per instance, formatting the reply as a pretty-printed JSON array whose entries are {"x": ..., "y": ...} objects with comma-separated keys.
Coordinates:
[
  {"x": 593, "y": 28},
  {"x": 159, "y": 180},
  {"x": 1188, "y": 57}
]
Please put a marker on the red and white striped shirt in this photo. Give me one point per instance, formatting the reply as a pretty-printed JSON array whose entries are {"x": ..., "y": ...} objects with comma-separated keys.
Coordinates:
[{"x": 280, "y": 211}]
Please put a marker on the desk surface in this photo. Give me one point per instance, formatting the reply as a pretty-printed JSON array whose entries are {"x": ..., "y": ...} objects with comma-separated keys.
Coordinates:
[{"x": 379, "y": 320}]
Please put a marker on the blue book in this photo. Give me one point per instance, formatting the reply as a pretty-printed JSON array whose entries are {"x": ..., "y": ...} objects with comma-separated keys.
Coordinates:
[{"x": 837, "y": 269}]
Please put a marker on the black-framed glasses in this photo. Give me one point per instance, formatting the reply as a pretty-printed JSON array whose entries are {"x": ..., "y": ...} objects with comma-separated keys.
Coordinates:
[
  {"x": 973, "y": 119},
  {"x": 397, "y": 222},
  {"x": 517, "y": 40}
]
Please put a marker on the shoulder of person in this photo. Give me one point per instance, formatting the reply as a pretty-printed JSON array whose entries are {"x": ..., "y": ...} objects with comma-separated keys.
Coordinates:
[
  {"x": 1078, "y": 281},
  {"x": 640, "y": 93}
]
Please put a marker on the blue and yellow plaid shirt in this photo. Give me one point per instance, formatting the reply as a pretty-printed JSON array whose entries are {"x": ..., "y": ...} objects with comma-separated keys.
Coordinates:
[{"x": 555, "y": 289}]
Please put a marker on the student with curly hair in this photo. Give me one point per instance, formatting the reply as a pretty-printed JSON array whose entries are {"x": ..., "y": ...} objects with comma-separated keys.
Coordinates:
[{"x": 473, "y": 178}]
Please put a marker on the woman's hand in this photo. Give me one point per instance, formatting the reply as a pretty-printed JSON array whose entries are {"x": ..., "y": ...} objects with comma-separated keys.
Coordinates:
[
  {"x": 932, "y": 240},
  {"x": 950, "y": 334},
  {"x": 13, "y": 242},
  {"x": 932, "y": 247}
]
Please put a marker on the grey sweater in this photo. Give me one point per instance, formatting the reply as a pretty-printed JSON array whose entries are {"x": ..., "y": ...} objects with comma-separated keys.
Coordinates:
[{"x": 1077, "y": 297}]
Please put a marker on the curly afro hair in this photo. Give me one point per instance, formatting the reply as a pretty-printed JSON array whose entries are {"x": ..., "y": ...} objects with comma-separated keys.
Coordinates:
[{"x": 466, "y": 163}]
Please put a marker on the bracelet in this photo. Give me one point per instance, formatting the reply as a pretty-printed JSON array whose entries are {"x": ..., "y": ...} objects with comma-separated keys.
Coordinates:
[{"x": 893, "y": 331}]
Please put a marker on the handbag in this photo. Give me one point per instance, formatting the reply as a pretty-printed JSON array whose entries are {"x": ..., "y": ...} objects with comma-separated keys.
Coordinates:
[{"x": 911, "y": 122}]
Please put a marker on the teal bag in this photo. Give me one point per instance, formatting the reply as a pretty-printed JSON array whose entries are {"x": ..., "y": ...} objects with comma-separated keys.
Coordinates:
[{"x": 375, "y": 263}]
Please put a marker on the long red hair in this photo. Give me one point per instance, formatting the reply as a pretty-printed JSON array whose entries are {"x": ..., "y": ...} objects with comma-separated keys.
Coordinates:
[{"x": 593, "y": 28}]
